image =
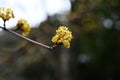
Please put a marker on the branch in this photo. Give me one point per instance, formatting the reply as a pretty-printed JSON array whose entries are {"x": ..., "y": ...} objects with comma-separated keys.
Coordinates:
[{"x": 28, "y": 39}]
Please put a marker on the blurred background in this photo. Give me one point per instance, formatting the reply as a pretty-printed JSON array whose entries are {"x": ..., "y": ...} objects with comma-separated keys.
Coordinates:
[{"x": 94, "y": 52}]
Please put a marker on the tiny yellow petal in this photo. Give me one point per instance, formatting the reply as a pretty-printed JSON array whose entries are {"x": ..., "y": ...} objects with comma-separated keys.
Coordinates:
[{"x": 66, "y": 43}]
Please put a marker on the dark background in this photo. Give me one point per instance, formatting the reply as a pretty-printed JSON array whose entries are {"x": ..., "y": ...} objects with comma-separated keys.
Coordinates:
[{"x": 94, "y": 53}]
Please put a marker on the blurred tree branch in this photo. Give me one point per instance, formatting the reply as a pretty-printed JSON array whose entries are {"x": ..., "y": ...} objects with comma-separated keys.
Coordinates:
[{"x": 28, "y": 39}]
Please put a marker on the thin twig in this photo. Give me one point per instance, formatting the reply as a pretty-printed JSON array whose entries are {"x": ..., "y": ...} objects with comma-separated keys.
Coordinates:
[
  {"x": 4, "y": 24},
  {"x": 28, "y": 39}
]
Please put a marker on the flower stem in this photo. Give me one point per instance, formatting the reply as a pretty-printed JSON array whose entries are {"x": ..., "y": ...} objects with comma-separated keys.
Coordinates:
[
  {"x": 4, "y": 24},
  {"x": 28, "y": 39}
]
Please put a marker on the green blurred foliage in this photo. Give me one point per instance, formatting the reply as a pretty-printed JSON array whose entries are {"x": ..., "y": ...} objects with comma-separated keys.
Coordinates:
[{"x": 94, "y": 52}]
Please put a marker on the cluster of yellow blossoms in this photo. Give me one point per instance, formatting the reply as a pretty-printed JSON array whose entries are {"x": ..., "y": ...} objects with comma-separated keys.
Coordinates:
[
  {"x": 63, "y": 36},
  {"x": 6, "y": 13},
  {"x": 23, "y": 26}
]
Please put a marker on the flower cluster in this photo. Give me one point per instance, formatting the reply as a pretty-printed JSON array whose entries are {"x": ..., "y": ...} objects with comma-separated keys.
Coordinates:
[
  {"x": 23, "y": 26},
  {"x": 63, "y": 35},
  {"x": 6, "y": 13}
]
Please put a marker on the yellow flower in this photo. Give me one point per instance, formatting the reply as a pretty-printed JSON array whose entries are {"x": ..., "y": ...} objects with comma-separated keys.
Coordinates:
[
  {"x": 23, "y": 26},
  {"x": 6, "y": 13},
  {"x": 63, "y": 35}
]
